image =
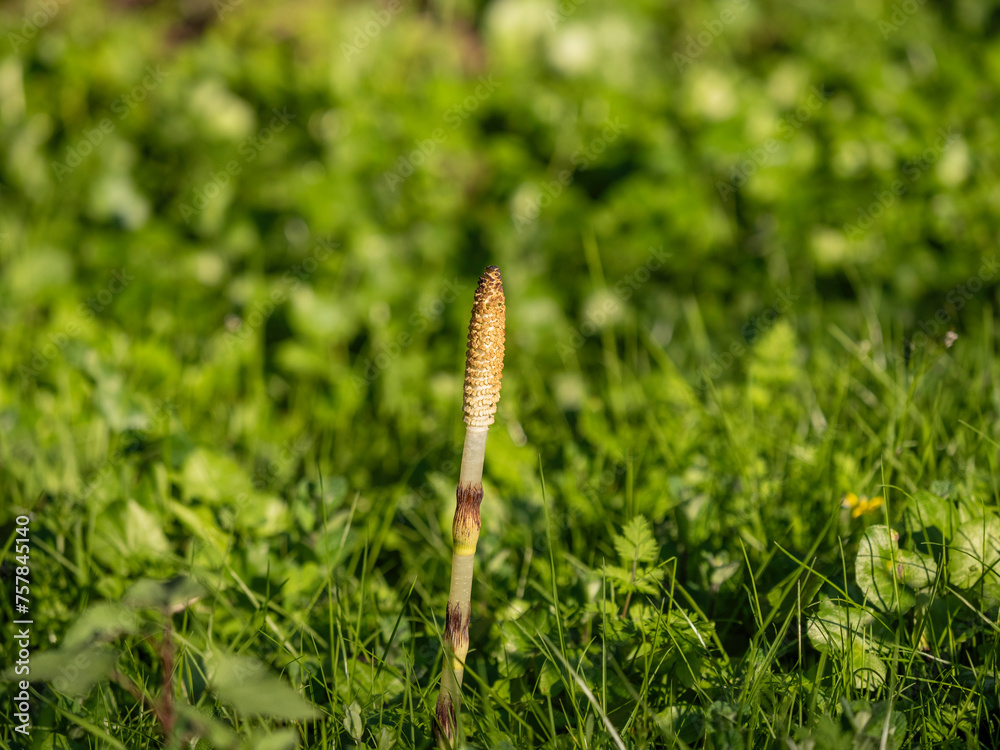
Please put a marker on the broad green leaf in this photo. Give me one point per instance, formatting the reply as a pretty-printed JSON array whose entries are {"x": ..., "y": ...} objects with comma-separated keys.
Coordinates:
[
  {"x": 353, "y": 723},
  {"x": 202, "y": 523},
  {"x": 881, "y": 569},
  {"x": 284, "y": 739},
  {"x": 686, "y": 723},
  {"x": 213, "y": 477},
  {"x": 834, "y": 628},
  {"x": 918, "y": 571},
  {"x": 825, "y": 733},
  {"x": 550, "y": 679},
  {"x": 974, "y": 557},
  {"x": 930, "y": 520},
  {"x": 942, "y": 488},
  {"x": 386, "y": 739},
  {"x": 867, "y": 668},
  {"x": 106, "y": 621},
  {"x": 72, "y": 671},
  {"x": 251, "y": 689},
  {"x": 168, "y": 595},
  {"x": 871, "y": 720},
  {"x": 217, "y": 734},
  {"x": 261, "y": 514},
  {"x": 686, "y": 657},
  {"x": 143, "y": 535}
]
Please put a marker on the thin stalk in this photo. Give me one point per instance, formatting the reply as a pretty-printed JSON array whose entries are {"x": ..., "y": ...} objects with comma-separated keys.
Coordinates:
[{"x": 483, "y": 371}]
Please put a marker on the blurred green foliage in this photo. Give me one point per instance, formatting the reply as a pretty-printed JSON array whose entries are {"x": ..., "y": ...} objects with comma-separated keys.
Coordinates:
[{"x": 238, "y": 245}]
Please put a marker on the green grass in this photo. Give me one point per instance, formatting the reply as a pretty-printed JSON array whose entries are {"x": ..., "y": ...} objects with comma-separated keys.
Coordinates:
[
  {"x": 336, "y": 582},
  {"x": 261, "y": 403}
]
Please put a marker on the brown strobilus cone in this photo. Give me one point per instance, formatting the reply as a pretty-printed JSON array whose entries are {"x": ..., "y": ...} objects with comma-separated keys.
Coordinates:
[{"x": 483, "y": 371}]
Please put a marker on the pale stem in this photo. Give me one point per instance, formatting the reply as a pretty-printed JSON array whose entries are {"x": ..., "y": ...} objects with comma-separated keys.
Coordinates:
[{"x": 473, "y": 455}]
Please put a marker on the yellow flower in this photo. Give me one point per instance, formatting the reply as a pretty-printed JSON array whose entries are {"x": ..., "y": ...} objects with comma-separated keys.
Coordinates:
[{"x": 860, "y": 505}]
